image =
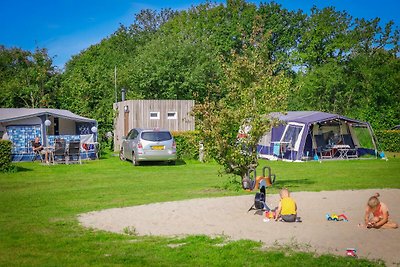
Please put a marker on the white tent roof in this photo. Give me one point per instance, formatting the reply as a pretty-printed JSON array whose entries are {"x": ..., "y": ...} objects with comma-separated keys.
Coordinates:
[{"x": 11, "y": 114}]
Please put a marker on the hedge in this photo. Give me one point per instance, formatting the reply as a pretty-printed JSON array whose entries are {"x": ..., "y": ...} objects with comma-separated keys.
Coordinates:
[
  {"x": 5, "y": 155},
  {"x": 187, "y": 144},
  {"x": 388, "y": 140}
]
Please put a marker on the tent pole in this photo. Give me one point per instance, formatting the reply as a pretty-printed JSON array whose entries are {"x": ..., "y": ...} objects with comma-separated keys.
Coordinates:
[{"x": 371, "y": 132}]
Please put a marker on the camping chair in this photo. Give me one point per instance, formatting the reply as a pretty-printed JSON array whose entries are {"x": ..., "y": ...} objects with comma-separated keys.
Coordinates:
[
  {"x": 325, "y": 151},
  {"x": 36, "y": 153},
  {"x": 59, "y": 151},
  {"x": 73, "y": 152}
]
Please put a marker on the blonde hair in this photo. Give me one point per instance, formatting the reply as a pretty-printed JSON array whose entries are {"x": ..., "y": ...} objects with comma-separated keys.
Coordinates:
[
  {"x": 284, "y": 192},
  {"x": 374, "y": 201}
]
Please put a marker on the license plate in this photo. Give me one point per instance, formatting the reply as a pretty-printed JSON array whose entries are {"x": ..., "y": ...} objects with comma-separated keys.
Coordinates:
[{"x": 157, "y": 147}]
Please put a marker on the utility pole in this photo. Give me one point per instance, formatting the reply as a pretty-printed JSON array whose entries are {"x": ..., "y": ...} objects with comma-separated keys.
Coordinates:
[{"x": 115, "y": 84}]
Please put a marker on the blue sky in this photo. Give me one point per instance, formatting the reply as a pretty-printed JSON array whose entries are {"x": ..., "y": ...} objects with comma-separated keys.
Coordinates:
[{"x": 65, "y": 27}]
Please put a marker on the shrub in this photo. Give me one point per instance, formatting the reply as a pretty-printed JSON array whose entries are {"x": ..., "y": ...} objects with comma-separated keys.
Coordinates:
[
  {"x": 5, "y": 155},
  {"x": 388, "y": 140},
  {"x": 187, "y": 144}
]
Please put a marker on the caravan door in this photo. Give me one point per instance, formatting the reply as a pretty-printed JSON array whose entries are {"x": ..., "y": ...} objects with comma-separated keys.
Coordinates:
[{"x": 291, "y": 138}]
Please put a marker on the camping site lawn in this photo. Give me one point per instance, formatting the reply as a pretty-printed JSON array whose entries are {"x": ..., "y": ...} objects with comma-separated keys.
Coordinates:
[{"x": 40, "y": 204}]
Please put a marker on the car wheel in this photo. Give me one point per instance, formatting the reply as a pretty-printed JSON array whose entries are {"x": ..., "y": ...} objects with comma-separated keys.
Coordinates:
[
  {"x": 172, "y": 162},
  {"x": 134, "y": 160},
  {"x": 121, "y": 154}
]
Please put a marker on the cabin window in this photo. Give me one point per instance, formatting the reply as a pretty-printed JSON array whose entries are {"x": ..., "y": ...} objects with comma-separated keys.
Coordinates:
[
  {"x": 172, "y": 115},
  {"x": 154, "y": 115}
]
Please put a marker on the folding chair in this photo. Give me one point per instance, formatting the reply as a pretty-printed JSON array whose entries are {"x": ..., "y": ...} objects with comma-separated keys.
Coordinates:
[
  {"x": 73, "y": 152},
  {"x": 36, "y": 153},
  {"x": 59, "y": 153}
]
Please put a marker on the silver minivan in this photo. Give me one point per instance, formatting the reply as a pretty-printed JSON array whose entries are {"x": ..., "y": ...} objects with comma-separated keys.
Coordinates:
[{"x": 148, "y": 145}]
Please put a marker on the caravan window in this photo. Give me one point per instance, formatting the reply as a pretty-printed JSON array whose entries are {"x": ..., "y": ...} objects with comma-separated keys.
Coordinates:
[{"x": 292, "y": 135}]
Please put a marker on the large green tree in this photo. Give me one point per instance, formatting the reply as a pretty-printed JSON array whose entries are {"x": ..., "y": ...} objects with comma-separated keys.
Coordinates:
[
  {"x": 253, "y": 88},
  {"x": 88, "y": 82},
  {"x": 349, "y": 67},
  {"x": 171, "y": 66},
  {"x": 27, "y": 79},
  {"x": 338, "y": 64}
]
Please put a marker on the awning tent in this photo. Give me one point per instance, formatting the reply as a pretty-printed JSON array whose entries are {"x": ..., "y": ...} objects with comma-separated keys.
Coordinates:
[
  {"x": 13, "y": 114},
  {"x": 22, "y": 125},
  {"x": 302, "y": 135}
]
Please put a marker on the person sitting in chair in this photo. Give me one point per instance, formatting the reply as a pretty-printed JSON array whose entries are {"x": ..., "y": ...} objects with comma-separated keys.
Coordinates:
[
  {"x": 39, "y": 149},
  {"x": 333, "y": 139}
]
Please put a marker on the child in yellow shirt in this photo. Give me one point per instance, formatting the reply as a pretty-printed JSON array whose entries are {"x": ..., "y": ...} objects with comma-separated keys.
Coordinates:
[{"x": 287, "y": 208}]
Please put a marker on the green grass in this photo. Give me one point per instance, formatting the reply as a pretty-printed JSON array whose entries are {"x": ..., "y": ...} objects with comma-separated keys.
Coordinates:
[
  {"x": 39, "y": 205},
  {"x": 337, "y": 175}
]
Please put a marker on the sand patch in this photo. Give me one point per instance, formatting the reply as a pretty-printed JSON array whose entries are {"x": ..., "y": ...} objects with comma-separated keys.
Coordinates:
[{"x": 228, "y": 216}]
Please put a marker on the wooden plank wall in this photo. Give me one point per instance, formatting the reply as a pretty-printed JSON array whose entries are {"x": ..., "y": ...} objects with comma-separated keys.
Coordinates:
[{"x": 139, "y": 116}]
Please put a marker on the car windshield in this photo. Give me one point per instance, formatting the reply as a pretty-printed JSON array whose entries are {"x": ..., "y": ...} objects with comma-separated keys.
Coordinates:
[{"x": 156, "y": 136}]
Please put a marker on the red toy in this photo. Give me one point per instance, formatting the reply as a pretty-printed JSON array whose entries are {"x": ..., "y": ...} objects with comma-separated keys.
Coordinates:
[
  {"x": 351, "y": 252},
  {"x": 270, "y": 214}
]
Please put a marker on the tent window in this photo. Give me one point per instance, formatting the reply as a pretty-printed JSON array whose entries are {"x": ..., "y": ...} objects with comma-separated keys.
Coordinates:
[
  {"x": 291, "y": 136},
  {"x": 266, "y": 139}
]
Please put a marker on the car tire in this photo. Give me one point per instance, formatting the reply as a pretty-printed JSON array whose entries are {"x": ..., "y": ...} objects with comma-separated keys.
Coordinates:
[
  {"x": 172, "y": 162},
  {"x": 134, "y": 160},
  {"x": 121, "y": 154}
]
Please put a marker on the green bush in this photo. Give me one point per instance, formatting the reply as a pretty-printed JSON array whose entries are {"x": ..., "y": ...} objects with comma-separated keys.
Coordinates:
[
  {"x": 388, "y": 140},
  {"x": 187, "y": 144},
  {"x": 5, "y": 155}
]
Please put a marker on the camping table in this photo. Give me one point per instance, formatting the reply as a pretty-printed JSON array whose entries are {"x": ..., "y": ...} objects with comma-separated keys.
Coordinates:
[{"x": 343, "y": 150}]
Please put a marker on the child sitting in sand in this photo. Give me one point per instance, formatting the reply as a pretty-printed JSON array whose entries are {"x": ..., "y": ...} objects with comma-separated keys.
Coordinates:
[
  {"x": 287, "y": 208},
  {"x": 380, "y": 214}
]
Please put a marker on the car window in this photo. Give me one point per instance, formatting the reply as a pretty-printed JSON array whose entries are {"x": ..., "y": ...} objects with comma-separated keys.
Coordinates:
[
  {"x": 132, "y": 134},
  {"x": 156, "y": 136},
  {"x": 129, "y": 134}
]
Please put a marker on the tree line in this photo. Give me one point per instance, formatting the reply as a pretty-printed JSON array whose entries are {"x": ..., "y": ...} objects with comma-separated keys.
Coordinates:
[{"x": 222, "y": 56}]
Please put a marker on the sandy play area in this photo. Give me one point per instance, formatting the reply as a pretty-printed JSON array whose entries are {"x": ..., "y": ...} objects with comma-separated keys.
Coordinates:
[{"x": 228, "y": 216}]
